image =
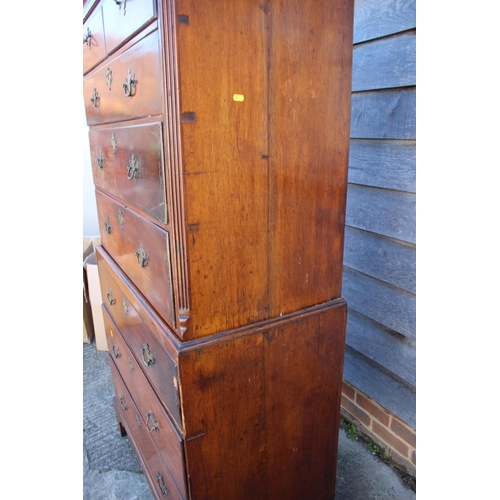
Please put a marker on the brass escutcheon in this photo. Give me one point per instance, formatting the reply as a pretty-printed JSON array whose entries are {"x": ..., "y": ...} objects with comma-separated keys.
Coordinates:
[
  {"x": 113, "y": 143},
  {"x": 111, "y": 299},
  {"x": 125, "y": 305},
  {"x": 95, "y": 99},
  {"x": 121, "y": 218},
  {"x": 109, "y": 78}
]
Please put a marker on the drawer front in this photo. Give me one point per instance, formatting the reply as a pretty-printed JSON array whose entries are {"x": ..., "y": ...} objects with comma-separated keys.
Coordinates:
[
  {"x": 127, "y": 162},
  {"x": 141, "y": 249},
  {"x": 123, "y": 19},
  {"x": 158, "y": 366},
  {"x": 160, "y": 477},
  {"x": 154, "y": 418},
  {"x": 127, "y": 86},
  {"x": 94, "y": 49}
]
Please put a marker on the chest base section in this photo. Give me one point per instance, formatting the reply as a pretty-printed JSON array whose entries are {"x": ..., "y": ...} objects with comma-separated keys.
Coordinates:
[{"x": 259, "y": 411}]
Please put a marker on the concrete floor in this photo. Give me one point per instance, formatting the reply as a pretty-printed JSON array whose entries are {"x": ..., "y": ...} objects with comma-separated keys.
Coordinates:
[{"x": 112, "y": 472}]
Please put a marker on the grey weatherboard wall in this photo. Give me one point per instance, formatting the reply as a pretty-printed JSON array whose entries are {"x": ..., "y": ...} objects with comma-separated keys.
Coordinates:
[{"x": 379, "y": 281}]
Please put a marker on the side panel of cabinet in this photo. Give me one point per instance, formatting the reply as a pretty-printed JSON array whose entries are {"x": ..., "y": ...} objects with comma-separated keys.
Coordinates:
[
  {"x": 262, "y": 411},
  {"x": 304, "y": 363},
  {"x": 309, "y": 102},
  {"x": 222, "y": 63},
  {"x": 223, "y": 397}
]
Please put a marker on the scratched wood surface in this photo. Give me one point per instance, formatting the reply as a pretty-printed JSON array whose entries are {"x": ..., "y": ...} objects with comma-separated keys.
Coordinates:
[
  {"x": 225, "y": 166},
  {"x": 310, "y": 65},
  {"x": 268, "y": 430},
  {"x": 264, "y": 178}
]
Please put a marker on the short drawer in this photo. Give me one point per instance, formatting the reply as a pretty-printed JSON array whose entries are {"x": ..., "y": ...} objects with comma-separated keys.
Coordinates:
[
  {"x": 159, "y": 368},
  {"x": 94, "y": 48},
  {"x": 123, "y": 19},
  {"x": 160, "y": 477},
  {"x": 127, "y": 86},
  {"x": 141, "y": 249},
  {"x": 127, "y": 162},
  {"x": 154, "y": 418}
]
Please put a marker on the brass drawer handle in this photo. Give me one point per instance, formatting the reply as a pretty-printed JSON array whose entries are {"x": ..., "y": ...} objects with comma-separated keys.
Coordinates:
[
  {"x": 132, "y": 168},
  {"x": 107, "y": 225},
  {"x": 111, "y": 299},
  {"x": 154, "y": 423},
  {"x": 95, "y": 99},
  {"x": 120, "y": 3},
  {"x": 147, "y": 357},
  {"x": 138, "y": 419},
  {"x": 161, "y": 484},
  {"x": 122, "y": 401},
  {"x": 100, "y": 161},
  {"x": 130, "y": 84},
  {"x": 116, "y": 351},
  {"x": 88, "y": 39},
  {"x": 142, "y": 257}
]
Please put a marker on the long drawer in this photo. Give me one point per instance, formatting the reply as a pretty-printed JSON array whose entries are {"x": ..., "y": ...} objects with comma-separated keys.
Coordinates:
[
  {"x": 167, "y": 440},
  {"x": 141, "y": 249},
  {"x": 159, "y": 475},
  {"x": 127, "y": 162},
  {"x": 158, "y": 366},
  {"x": 126, "y": 86}
]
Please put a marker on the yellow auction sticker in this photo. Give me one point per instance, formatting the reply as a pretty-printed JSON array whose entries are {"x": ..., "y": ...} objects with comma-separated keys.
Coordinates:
[{"x": 238, "y": 97}]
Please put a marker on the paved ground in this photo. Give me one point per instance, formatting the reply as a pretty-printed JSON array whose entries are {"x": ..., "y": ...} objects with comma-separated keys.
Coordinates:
[{"x": 112, "y": 472}]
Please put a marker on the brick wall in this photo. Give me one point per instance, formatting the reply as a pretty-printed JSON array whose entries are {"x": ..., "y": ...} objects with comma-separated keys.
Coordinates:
[{"x": 392, "y": 435}]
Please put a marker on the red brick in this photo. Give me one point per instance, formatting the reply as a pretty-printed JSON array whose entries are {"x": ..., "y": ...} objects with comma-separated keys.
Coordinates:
[
  {"x": 390, "y": 439},
  {"x": 372, "y": 409},
  {"x": 405, "y": 433},
  {"x": 347, "y": 390},
  {"x": 356, "y": 411}
]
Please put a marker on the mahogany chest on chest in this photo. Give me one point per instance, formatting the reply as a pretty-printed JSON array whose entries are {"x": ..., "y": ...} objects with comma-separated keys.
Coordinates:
[{"x": 219, "y": 135}]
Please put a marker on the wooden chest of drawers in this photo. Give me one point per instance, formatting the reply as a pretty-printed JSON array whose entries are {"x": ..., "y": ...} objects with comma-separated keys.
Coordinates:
[{"x": 219, "y": 138}]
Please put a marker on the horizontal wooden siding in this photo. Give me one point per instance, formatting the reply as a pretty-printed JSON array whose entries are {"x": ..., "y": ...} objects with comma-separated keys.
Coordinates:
[{"x": 379, "y": 281}]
